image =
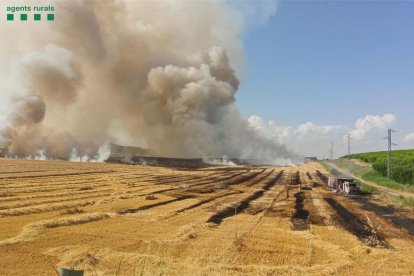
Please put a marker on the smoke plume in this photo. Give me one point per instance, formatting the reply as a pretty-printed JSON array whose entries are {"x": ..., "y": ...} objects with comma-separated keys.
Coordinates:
[{"x": 154, "y": 74}]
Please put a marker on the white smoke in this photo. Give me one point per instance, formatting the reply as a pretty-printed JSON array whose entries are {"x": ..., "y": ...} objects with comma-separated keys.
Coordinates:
[
  {"x": 219, "y": 161},
  {"x": 103, "y": 153},
  {"x": 38, "y": 155}
]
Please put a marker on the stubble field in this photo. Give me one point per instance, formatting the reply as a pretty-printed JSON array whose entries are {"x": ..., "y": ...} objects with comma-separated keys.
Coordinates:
[{"x": 112, "y": 219}]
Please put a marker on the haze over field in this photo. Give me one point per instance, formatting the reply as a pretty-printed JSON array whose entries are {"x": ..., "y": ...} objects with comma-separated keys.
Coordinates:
[{"x": 158, "y": 75}]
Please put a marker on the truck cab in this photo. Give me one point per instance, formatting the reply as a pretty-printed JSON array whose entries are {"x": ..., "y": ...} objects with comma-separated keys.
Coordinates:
[
  {"x": 350, "y": 188},
  {"x": 343, "y": 184}
]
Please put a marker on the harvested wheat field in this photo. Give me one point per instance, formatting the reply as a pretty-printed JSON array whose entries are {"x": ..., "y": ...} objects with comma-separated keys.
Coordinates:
[{"x": 112, "y": 219}]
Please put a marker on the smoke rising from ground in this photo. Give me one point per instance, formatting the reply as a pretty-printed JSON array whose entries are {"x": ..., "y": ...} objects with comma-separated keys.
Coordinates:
[{"x": 158, "y": 75}]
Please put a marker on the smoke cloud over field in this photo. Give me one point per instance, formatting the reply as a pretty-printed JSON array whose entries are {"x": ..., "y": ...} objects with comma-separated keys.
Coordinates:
[{"x": 158, "y": 75}]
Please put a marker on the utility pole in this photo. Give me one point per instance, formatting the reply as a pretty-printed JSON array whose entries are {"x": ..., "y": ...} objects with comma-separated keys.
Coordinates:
[
  {"x": 331, "y": 153},
  {"x": 390, "y": 144},
  {"x": 349, "y": 146}
]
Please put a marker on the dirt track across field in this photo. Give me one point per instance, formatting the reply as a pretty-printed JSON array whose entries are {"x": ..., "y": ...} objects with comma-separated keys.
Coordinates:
[{"x": 215, "y": 220}]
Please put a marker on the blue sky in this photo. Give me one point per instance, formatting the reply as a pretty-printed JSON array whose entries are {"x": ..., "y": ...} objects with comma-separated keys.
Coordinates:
[{"x": 331, "y": 63}]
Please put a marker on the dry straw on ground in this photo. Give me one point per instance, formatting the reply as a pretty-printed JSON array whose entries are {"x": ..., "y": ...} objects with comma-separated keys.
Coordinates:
[{"x": 140, "y": 219}]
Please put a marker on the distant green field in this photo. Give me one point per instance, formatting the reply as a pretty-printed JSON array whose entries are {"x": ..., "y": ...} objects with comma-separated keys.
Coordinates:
[{"x": 402, "y": 164}]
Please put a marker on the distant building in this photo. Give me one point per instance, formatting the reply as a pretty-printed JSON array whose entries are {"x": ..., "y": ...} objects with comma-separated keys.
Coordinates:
[{"x": 310, "y": 159}]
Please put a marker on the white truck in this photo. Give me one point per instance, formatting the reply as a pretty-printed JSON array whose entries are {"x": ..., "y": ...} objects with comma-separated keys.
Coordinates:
[{"x": 344, "y": 185}]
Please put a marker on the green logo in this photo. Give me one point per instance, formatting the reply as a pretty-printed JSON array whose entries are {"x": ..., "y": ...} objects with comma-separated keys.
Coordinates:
[{"x": 24, "y": 13}]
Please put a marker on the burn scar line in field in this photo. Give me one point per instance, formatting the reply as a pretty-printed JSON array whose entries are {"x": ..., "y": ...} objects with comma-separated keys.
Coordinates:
[
  {"x": 322, "y": 177},
  {"x": 226, "y": 179},
  {"x": 364, "y": 230},
  {"x": 300, "y": 217},
  {"x": 245, "y": 178},
  {"x": 192, "y": 178},
  {"x": 388, "y": 213},
  {"x": 218, "y": 217},
  {"x": 210, "y": 199},
  {"x": 260, "y": 178},
  {"x": 145, "y": 207},
  {"x": 201, "y": 183},
  {"x": 201, "y": 203},
  {"x": 269, "y": 209},
  {"x": 276, "y": 198}
]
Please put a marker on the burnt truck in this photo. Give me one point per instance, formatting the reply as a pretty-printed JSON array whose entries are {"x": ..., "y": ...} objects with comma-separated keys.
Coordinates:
[{"x": 344, "y": 185}]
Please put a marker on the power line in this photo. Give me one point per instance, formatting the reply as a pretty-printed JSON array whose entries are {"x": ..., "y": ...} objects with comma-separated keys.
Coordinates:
[{"x": 389, "y": 161}]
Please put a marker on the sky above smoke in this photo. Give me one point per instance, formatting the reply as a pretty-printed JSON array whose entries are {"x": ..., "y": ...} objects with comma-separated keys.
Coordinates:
[{"x": 160, "y": 75}]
